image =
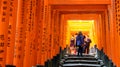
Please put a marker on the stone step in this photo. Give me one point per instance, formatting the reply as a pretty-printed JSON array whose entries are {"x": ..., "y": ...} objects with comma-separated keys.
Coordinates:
[
  {"x": 85, "y": 55},
  {"x": 81, "y": 65},
  {"x": 80, "y": 58},
  {"x": 82, "y": 61}
]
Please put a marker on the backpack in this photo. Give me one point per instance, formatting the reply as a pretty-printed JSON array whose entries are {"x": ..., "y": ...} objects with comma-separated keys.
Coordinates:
[{"x": 79, "y": 41}]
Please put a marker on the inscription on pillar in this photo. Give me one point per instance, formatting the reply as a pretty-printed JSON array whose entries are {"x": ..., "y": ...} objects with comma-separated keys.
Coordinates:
[{"x": 117, "y": 7}]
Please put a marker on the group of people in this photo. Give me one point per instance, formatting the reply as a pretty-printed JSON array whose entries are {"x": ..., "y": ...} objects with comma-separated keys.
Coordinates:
[{"x": 80, "y": 44}]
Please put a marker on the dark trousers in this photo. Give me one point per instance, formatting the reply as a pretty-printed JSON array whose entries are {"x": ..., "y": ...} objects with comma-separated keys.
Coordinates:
[
  {"x": 80, "y": 50},
  {"x": 87, "y": 48}
]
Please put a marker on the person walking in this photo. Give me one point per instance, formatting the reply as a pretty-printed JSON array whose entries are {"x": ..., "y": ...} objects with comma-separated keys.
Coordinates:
[
  {"x": 88, "y": 41},
  {"x": 79, "y": 43},
  {"x": 72, "y": 45}
]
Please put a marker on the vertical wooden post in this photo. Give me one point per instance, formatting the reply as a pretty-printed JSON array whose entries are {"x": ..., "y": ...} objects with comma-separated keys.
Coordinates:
[
  {"x": 34, "y": 26},
  {"x": 40, "y": 28},
  {"x": 46, "y": 28},
  {"x": 61, "y": 24},
  {"x": 103, "y": 31},
  {"x": 11, "y": 32},
  {"x": 100, "y": 42},
  {"x": 112, "y": 34},
  {"x": 4, "y": 22},
  {"x": 52, "y": 33},
  {"x": 44, "y": 45},
  {"x": 20, "y": 35},
  {"x": 62, "y": 30},
  {"x": 39, "y": 15},
  {"x": 49, "y": 33},
  {"x": 116, "y": 31},
  {"x": 28, "y": 44},
  {"x": 58, "y": 21}
]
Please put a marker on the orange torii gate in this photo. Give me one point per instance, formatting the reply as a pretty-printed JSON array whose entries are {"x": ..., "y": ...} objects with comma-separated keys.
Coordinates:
[{"x": 31, "y": 31}]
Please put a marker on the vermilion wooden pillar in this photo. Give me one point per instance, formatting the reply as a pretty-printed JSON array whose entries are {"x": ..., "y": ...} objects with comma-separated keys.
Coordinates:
[
  {"x": 61, "y": 30},
  {"x": 112, "y": 34},
  {"x": 63, "y": 21},
  {"x": 47, "y": 26},
  {"x": 49, "y": 31},
  {"x": 100, "y": 45},
  {"x": 115, "y": 30},
  {"x": 4, "y": 18},
  {"x": 44, "y": 32},
  {"x": 44, "y": 45},
  {"x": 56, "y": 45},
  {"x": 96, "y": 32},
  {"x": 20, "y": 35},
  {"x": 107, "y": 24},
  {"x": 11, "y": 31},
  {"x": 103, "y": 31},
  {"x": 28, "y": 43},
  {"x": 58, "y": 32},
  {"x": 64, "y": 31},
  {"x": 54, "y": 33},
  {"x": 40, "y": 28},
  {"x": 116, "y": 13},
  {"x": 34, "y": 27},
  {"x": 97, "y": 25},
  {"x": 113, "y": 43}
]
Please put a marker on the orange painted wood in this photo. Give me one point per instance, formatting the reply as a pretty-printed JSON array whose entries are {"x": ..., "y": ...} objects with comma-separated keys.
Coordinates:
[
  {"x": 44, "y": 34},
  {"x": 28, "y": 44},
  {"x": 34, "y": 29},
  {"x": 80, "y": 2},
  {"x": 115, "y": 9},
  {"x": 20, "y": 35},
  {"x": 107, "y": 23},
  {"x": 100, "y": 44},
  {"x": 103, "y": 32},
  {"x": 40, "y": 28},
  {"x": 54, "y": 33},
  {"x": 63, "y": 21},
  {"x": 11, "y": 32},
  {"x": 49, "y": 33},
  {"x": 113, "y": 34},
  {"x": 4, "y": 22},
  {"x": 57, "y": 33}
]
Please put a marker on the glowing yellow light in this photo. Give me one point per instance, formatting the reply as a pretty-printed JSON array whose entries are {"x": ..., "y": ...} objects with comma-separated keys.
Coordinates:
[{"x": 74, "y": 26}]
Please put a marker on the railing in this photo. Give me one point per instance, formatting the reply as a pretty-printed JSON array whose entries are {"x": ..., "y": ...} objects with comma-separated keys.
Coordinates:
[
  {"x": 55, "y": 62},
  {"x": 107, "y": 62}
]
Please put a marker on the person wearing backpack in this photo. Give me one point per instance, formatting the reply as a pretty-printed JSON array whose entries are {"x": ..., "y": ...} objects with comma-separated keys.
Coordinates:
[{"x": 80, "y": 43}]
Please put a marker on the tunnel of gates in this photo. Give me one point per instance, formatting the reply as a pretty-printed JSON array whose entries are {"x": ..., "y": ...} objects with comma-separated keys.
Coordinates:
[{"x": 32, "y": 31}]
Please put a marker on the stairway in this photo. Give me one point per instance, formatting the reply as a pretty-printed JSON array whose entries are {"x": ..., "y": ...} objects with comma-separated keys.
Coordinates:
[{"x": 78, "y": 61}]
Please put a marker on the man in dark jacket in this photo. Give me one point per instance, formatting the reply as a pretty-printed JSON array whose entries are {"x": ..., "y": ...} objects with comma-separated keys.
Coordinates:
[{"x": 80, "y": 42}]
